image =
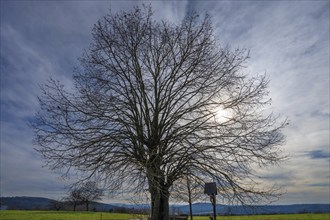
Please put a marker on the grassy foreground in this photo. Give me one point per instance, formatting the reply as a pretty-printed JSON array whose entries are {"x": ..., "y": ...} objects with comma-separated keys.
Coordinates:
[
  {"x": 59, "y": 215},
  {"x": 54, "y": 215},
  {"x": 272, "y": 217}
]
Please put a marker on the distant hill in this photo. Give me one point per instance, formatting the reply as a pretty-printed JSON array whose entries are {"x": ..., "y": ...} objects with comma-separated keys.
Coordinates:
[
  {"x": 25, "y": 203},
  {"x": 37, "y": 203},
  {"x": 207, "y": 209}
]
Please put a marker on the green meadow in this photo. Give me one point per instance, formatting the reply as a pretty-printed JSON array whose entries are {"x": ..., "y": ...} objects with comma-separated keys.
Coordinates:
[
  {"x": 58, "y": 215},
  {"x": 272, "y": 217}
]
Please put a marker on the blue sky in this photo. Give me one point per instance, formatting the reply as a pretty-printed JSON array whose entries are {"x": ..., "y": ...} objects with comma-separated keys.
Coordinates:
[{"x": 289, "y": 40}]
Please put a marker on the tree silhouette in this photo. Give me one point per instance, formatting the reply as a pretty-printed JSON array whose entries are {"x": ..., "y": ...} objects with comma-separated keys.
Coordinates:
[
  {"x": 145, "y": 109},
  {"x": 187, "y": 190},
  {"x": 89, "y": 192},
  {"x": 85, "y": 193},
  {"x": 74, "y": 198}
]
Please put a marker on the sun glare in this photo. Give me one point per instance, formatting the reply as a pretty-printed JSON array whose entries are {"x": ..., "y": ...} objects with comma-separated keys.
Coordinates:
[{"x": 222, "y": 115}]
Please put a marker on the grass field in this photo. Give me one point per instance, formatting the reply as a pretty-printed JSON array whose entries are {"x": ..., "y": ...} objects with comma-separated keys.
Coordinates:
[
  {"x": 54, "y": 215},
  {"x": 272, "y": 217},
  {"x": 58, "y": 215}
]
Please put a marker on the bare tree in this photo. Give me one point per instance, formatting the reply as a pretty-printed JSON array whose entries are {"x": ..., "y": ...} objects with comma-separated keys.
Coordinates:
[
  {"x": 74, "y": 198},
  {"x": 89, "y": 192},
  {"x": 146, "y": 107},
  {"x": 188, "y": 190},
  {"x": 57, "y": 204},
  {"x": 84, "y": 193}
]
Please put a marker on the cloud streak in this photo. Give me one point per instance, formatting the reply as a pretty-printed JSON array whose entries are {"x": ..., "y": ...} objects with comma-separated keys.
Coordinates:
[{"x": 318, "y": 154}]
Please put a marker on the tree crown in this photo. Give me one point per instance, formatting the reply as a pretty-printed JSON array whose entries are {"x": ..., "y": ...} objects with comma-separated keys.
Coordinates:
[{"x": 145, "y": 109}]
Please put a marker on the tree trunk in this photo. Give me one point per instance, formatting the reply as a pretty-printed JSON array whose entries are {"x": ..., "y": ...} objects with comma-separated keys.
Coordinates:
[
  {"x": 74, "y": 206},
  {"x": 159, "y": 192},
  {"x": 159, "y": 203},
  {"x": 87, "y": 205}
]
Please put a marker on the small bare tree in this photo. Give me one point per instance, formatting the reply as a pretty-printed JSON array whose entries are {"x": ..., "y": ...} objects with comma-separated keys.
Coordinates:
[
  {"x": 89, "y": 192},
  {"x": 85, "y": 193},
  {"x": 154, "y": 99},
  {"x": 74, "y": 198},
  {"x": 57, "y": 204},
  {"x": 188, "y": 190}
]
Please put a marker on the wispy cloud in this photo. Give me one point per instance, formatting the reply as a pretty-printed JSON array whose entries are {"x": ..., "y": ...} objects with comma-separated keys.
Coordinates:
[
  {"x": 278, "y": 176},
  {"x": 22, "y": 69},
  {"x": 326, "y": 184},
  {"x": 318, "y": 154}
]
